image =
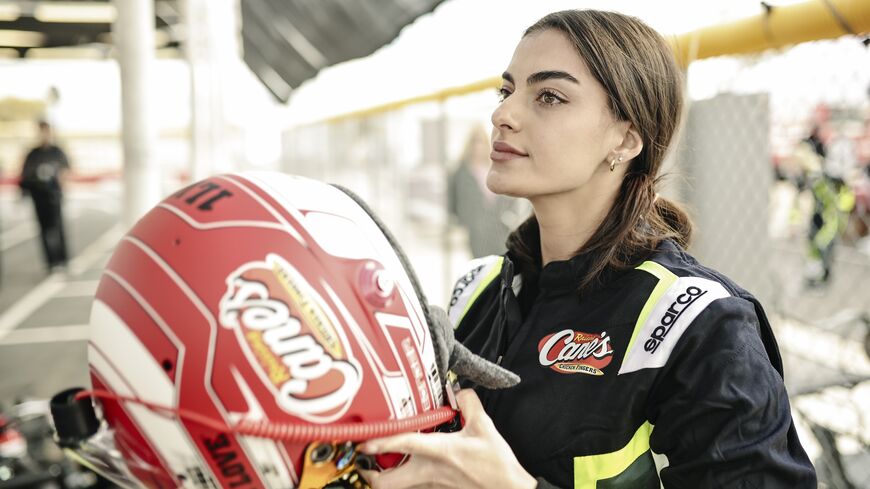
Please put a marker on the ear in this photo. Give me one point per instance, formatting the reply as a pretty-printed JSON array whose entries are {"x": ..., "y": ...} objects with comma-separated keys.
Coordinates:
[{"x": 631, "y": 144}]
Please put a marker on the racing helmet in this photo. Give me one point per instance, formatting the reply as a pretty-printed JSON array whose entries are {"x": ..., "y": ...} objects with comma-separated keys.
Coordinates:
[{"x": 246, "y": 332}]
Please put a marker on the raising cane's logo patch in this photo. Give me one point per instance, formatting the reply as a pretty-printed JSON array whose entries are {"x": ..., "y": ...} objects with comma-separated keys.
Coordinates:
[
  {"x": 575, "y": 352},
  {"x": 281, "y": 322}
]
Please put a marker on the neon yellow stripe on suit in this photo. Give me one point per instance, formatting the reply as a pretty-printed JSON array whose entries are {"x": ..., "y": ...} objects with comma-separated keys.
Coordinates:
[
  {"x": 666, "y": 279},
  {"x": 496, "y": 269},
  {"x": 590, "y": 469}
]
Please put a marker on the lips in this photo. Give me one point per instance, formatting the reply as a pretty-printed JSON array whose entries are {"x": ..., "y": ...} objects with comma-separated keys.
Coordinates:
[{"x": 502, "y": 151}]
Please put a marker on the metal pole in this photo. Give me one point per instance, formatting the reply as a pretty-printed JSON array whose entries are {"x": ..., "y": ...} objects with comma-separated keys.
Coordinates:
[
  {"x": 447, "y": 233},
  {"x": 212, "y": 51},
  {"x": 775, "y": 28},
  {"x": 196, "y": 47},
  {"x": 193, "y": 52},
  {"x": 133, "y": 32}
]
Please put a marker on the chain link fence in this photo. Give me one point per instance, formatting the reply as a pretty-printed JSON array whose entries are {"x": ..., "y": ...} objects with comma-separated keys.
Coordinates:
[
  {"x": 408, "y": 164},
  {"x": 782, "y": 214},
  {"x": 776, "y": 164}
]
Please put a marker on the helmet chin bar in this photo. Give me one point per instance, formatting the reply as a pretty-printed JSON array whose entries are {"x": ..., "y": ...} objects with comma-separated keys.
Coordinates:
[{"x": 333, "y": 465}]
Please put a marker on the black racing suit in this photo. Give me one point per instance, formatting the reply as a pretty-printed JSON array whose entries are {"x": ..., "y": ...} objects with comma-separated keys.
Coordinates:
[{"x": 666, "y": 373}]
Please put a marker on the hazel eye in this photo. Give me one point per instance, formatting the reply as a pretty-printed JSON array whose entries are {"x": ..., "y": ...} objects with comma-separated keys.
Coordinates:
[
  {"x": 502, "y": 94},
  {"x": 549, "y": 98}
]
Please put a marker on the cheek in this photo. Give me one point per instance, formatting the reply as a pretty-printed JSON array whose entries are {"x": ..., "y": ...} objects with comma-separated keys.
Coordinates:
[
  {"x": 582, "y": 144},
  {"x": 563, "y": 150}
]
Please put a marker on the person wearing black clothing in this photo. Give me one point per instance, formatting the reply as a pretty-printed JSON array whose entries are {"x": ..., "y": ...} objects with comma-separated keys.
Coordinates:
[
  {"x": 41, "y": 179},
  {"x": 640, "y": 367},
  {"x": 668, "y": 357}
]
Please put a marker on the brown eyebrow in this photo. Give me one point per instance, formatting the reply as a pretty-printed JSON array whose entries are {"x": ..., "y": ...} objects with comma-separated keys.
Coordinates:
[
  {"x": 549, "y": 75},
  {"x": 542, "y": 76}
]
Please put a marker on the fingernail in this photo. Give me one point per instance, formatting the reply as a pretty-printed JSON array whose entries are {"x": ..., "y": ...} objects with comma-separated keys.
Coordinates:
[{"x": 368, "y": 448}]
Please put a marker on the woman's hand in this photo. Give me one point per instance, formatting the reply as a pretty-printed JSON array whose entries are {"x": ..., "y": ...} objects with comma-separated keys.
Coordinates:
[{"x": 476, "y": 456}]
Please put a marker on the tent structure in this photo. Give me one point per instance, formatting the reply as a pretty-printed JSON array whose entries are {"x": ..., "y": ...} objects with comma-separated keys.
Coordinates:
[
  {"x": 288, "y": 42},
  {"x": 285, "y": 42}
]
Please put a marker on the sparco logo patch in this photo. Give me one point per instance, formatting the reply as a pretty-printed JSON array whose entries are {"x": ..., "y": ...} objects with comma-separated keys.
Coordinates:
[
  {"x": 667, "y": 320},
  {"x": 463, "y": 283},
  {"x": 575, "y": 352},
  {"x": 670, "y": 316},
  {"x": 280, "y": 321}
]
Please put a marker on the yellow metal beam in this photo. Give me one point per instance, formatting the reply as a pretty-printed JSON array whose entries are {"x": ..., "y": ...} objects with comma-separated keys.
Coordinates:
[
  {"x": 778, "y": 27},
  {"x": 478, "y": 86}
]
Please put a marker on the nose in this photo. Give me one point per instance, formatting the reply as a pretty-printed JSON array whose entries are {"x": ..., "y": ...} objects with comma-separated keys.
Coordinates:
[{"x": 504, "y": 116}]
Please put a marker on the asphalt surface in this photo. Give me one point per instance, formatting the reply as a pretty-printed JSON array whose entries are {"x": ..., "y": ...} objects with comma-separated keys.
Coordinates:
[{"x": 43, "y": 317}]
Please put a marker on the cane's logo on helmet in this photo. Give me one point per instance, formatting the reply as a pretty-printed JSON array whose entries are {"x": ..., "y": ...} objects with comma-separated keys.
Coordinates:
[
  {"x": 575, "y": 352},
  {"x": 290, "y": 335}
]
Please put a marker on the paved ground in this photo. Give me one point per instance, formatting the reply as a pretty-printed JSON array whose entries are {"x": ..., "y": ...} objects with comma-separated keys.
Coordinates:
[{"x": 44, "y": 317}]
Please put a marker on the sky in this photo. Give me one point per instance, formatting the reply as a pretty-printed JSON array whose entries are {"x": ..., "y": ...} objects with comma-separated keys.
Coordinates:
[{"x": 462, "y": 41}]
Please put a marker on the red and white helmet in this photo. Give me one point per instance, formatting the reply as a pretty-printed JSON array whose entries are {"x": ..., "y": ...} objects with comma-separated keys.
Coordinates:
[{"x": 262, "y": 301}]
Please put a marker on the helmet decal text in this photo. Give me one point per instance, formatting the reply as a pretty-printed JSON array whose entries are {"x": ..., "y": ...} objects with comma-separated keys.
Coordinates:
[{"x": 280, "y": 321}]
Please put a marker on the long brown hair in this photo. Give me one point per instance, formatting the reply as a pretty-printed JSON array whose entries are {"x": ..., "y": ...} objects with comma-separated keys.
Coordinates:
[{"x": 637, "y": 69}]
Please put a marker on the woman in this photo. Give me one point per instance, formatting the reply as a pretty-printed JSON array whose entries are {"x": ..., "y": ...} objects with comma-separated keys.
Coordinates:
[
  {"x": 626, "y": 346},
  {"x": 483, "y": 214}
]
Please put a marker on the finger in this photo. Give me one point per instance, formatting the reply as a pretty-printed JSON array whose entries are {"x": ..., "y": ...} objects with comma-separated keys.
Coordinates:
[
  {"x": 425, "y": 444},
  {"x": 403, "y": 477},
  {"x": 372, "y": 477},
  {"x": 469, "y": 404},
  {"x": 472, "y": 409}
]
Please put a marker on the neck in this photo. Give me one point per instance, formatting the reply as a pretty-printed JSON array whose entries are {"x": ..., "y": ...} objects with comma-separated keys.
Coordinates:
[{"x": 567, "y": 221}]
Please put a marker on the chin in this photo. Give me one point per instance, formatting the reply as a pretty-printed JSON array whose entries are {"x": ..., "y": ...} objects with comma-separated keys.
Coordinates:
[
  {"x": 507, "y": 190},
  {"x": 497, "y": 187},
  {"x": 498, "y": 184}
]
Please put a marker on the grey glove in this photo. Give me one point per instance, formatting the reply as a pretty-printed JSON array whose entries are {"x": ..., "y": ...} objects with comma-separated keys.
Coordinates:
[{"x": 453, "y": 355}]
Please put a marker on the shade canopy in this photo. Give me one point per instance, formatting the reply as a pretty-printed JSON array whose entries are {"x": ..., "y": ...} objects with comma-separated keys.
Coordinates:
[
  {"x": 288, "y": 42},
  {"x": 285, "y": 42}
]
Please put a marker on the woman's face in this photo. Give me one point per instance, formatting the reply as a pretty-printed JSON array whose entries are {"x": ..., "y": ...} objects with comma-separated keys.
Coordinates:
[{"x": 553, "y": 130}]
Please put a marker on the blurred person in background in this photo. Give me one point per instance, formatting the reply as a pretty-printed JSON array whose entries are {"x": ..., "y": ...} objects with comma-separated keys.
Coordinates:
[
  {"x": 861, "y": 214},
  {"x": 484, "y": 215},
  {"x": 627, "y": 347},
  {"x": 832, "y": 199},
  {"x": 41, "y": 178}
]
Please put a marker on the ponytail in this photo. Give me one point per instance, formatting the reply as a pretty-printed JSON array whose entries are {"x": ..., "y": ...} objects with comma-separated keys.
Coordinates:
[
  {"x": 632, "y": 230},
  {"x": 675, "y": 219}
]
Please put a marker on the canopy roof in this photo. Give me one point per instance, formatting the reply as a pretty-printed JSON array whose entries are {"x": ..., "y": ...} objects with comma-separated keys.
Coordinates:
[
  {"x": 285, "y": 42},
  {"x": 288, "y": 42}
]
